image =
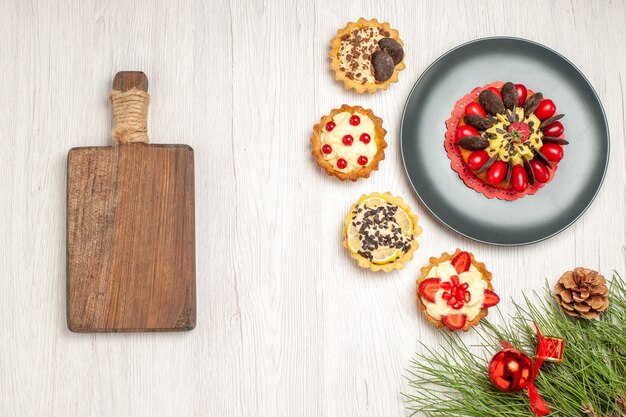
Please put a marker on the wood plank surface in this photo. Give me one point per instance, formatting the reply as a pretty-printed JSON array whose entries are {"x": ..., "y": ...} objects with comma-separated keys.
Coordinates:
[
  {"x": 130, "y": 231},
  {"x": 287, "y": 324}
]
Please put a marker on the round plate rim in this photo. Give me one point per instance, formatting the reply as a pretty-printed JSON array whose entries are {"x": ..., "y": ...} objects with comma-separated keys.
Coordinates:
[{"x": 513, "y": 38}]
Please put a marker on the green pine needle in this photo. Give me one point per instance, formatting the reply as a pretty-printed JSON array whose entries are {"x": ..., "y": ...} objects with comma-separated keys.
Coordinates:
[{"x": 452, "y": 381}]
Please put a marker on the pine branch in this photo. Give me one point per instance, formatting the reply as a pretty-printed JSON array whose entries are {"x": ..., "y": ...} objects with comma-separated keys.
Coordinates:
[{"x": 452, "y": 381}]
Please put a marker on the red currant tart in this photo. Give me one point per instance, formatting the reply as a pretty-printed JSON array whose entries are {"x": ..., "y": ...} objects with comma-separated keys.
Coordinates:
[
  {"x": 455, "y": 291},
  {"x": 505, "y": 140},
  {"x": 349, "y": 143}
]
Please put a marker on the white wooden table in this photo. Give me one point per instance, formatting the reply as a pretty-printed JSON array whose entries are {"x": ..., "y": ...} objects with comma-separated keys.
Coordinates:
[{"x": 287, "y": 324}]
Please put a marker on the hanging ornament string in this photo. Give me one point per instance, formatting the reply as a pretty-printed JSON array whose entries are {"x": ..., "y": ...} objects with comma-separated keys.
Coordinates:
[
  {"x": 130, "y": 115},
  {"x": 539, "y": 406}
]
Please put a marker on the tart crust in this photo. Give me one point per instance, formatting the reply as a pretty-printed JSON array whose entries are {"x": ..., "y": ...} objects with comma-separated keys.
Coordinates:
[
  {"x": 380, "y": 132},
  {"x": 448, "y": 257},
  {"x": 335, "y": 63},
  {"x": 400, "y": 261}
]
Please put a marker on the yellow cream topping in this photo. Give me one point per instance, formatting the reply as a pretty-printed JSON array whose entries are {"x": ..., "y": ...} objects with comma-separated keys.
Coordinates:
[
  {"x": 506, "y": 145},
  {"x": 476, "y": 287},
  {"x": 350, "y": 153}
]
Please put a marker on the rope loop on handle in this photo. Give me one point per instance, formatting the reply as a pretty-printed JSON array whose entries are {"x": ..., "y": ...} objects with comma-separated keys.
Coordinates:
[{"x": 130, "y": 115}]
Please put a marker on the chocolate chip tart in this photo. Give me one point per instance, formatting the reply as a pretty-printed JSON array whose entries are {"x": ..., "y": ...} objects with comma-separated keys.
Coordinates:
[
  {"x": 349, "y": 143},
  {"x": 455, "y": 291},
  {"x": 367, "y": 55},
  {"x": 381, "y": 232}
]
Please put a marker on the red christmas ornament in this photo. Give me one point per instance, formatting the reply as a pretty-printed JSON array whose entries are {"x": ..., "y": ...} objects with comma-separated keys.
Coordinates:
[{"x": 510, "y": 370}]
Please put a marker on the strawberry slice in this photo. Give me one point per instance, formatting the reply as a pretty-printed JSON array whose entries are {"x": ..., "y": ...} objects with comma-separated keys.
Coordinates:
[
  {"x": 455, "y": 321},
  {"x": 428, "y": 288},
  {"x": 491, "y": 299},
  {"x": 521, "y": 131},
  {"x": 462, "y": 262}
]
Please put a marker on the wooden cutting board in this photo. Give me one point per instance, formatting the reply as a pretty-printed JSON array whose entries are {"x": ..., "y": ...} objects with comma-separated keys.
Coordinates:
[{"x": 131, "y": 234}]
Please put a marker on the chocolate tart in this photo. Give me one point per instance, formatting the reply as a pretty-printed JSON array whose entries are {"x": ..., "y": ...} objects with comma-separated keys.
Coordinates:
[
  {"x": 367, "y": 55},
  {"x": 380, "y": 232}
]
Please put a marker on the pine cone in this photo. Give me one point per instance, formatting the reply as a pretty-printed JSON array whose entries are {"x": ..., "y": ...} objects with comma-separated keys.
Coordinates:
[
  {"x": 582, "y": 293},
  {"x": 589, "y": 410}
]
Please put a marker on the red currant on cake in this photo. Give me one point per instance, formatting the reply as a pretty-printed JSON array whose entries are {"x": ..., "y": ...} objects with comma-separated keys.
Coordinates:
[
  {"x": 518, "y": 130},
  {"x": 349, "y": 143},
  {"x": 455, "y": 291}
]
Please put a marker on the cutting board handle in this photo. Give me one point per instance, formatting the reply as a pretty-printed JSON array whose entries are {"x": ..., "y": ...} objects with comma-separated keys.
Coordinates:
[
  {"x": 127, "y": 80},
  {"x": 129, "y": 101}
]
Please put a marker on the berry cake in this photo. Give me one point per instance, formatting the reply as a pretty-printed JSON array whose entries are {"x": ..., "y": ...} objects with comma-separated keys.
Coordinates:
[
  {"x": 504, "y": 140},
  {"x": 349, "y": 143},
  {"x": 455, "y": 291}
]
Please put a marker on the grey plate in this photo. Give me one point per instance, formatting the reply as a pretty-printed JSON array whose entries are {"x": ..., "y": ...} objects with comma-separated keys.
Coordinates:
[{"x": 534, "y": 217}]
